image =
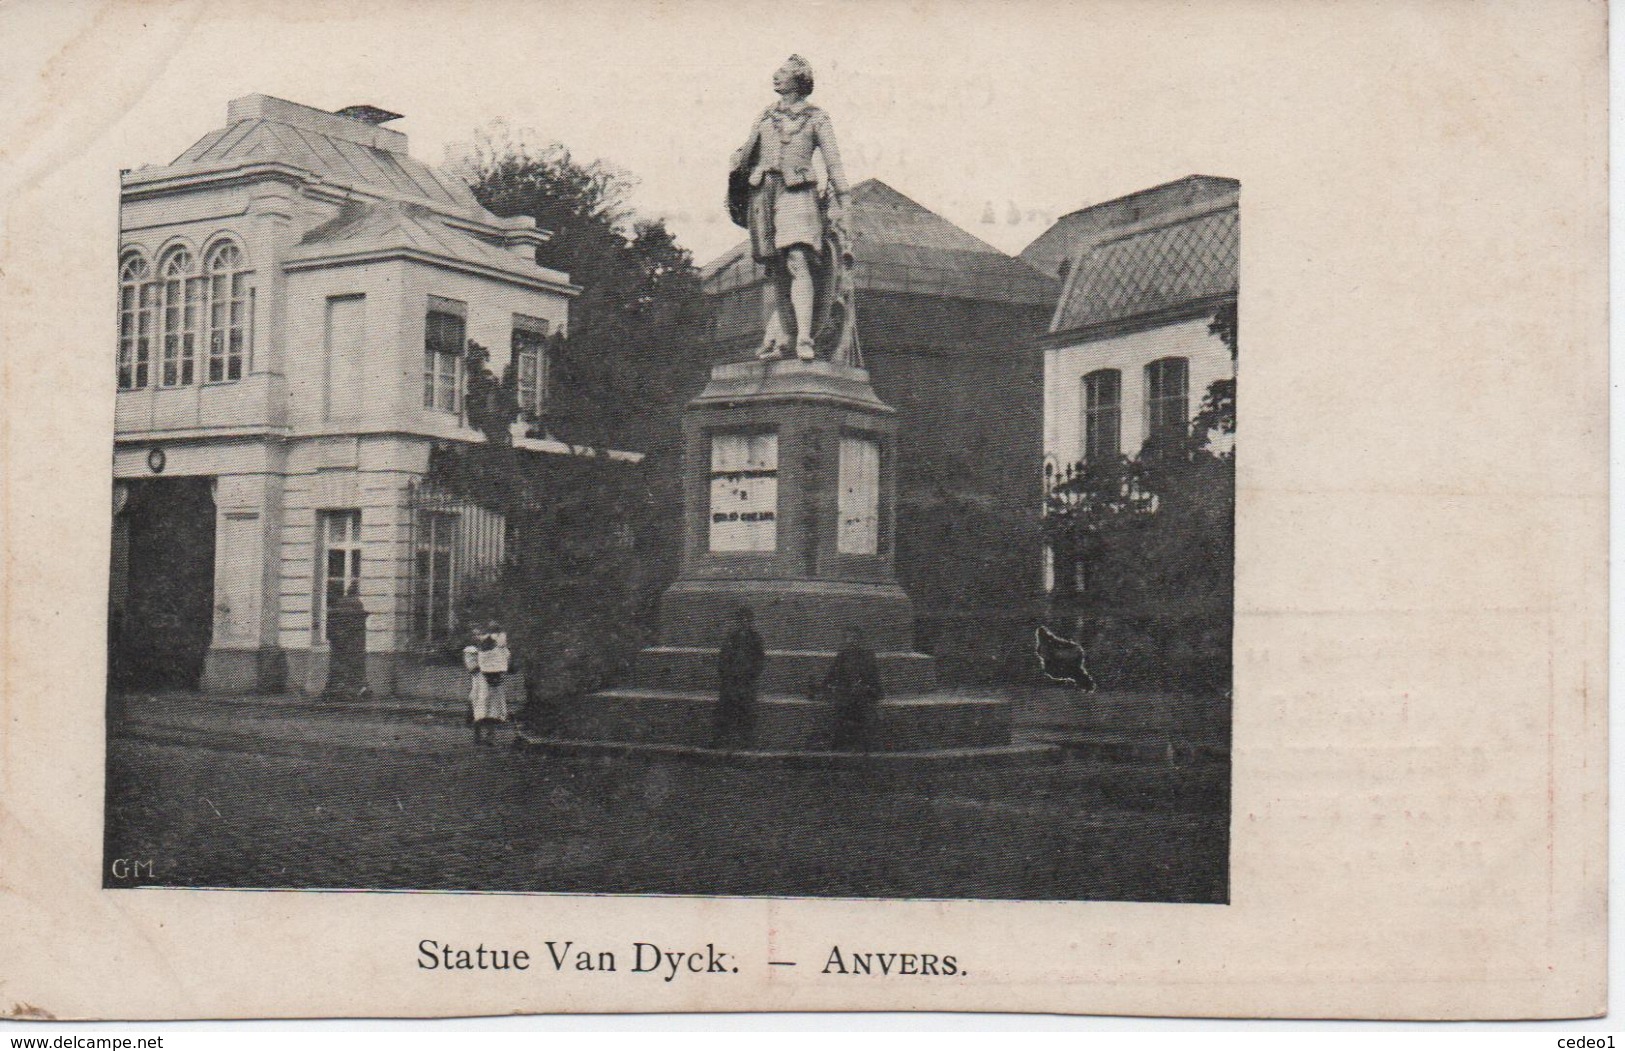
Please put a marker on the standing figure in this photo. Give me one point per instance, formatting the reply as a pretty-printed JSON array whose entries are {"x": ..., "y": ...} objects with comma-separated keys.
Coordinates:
[
  {"x": 347, "y": 646},
  {"x": 798, "y": 235},
  {"x": 853, "y": 684},
  {"x": 477, "y": 692},
  {"x": 739, "y": 667},
  {"x": 488, "y": 693}
]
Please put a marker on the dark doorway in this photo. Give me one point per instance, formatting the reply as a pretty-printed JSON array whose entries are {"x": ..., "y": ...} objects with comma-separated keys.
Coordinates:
[{"x": 163, "y": 634}]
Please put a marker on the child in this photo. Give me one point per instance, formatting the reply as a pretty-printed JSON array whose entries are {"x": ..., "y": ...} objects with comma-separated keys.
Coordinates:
[{"x": 492, "y": 659}]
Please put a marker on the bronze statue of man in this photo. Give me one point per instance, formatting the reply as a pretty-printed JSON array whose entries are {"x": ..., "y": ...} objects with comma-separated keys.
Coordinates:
[{"x": 798, "y": 234}]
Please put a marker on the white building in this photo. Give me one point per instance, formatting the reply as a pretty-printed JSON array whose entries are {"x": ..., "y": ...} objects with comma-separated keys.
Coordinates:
[
  {"x": 295, "y": 297},
  {"x": 1129, "y": 351}
]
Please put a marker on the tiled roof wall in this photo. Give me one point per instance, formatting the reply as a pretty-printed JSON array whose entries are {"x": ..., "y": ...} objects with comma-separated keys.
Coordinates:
[{"x": 1154, "y": 270}]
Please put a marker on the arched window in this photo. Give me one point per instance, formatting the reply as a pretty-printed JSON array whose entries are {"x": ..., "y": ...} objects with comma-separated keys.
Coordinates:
[
  {"x": 182, "y": 299},
  {"x": 136, "y": 296},
  {"x": 1167, "y": 399},
  {"x": 1102, "y": 414},
  {"x": 229, "y": 313}
]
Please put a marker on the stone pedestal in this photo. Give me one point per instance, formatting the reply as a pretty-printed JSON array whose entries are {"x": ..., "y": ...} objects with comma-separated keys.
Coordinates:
[
  {"x": 802, "y": 582},
  {"x": 789, "y": 497}
]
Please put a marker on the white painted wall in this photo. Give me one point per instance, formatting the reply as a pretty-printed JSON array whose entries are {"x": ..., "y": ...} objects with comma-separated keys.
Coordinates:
[
  {"x": 1065, "y": 367},
  {"x": 381, "y": 403},
  {"x": 356, "y": 430},
  {"x": 198, "y": 220},
  {"x": 491, "y": 307}
]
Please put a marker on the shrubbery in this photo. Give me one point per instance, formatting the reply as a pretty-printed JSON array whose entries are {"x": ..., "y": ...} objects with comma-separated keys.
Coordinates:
[{"x": 1152, "y": 538}]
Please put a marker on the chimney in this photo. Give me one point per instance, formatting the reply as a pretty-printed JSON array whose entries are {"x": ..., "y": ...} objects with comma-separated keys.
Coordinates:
[{"x": 368, "y": 114}]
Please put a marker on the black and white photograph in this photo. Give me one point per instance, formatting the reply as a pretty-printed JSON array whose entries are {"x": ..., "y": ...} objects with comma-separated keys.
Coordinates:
[
  {"x": 838, "y": 532},
  {"x": 599, "y": 507}
]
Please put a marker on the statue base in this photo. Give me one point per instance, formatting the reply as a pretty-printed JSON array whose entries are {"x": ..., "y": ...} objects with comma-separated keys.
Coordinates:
[{"x": 803, "y": 453}]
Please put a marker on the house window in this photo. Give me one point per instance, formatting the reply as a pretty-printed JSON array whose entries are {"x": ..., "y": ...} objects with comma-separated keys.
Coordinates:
[
  {"x": 444, "y": 337},
  {"x": 230, "y": 300},
  {"x": 744, "y": 492},
  {"x": 435, "y": 575},
  {"x": 182, "y": 317},
  {"x": 1167, "y": 402},
  {"x": 165, "y": 318},
  {"x": 530, "y": 363},
  {"x": 136, "y": 301},
  {"x": 1102, "y": 414},
  {"x": 339, "y": 564},
  {"x": 858, "y": 504}
]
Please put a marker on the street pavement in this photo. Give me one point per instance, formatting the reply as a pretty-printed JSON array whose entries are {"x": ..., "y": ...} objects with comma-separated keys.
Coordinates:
[{"x": 285, "y": 792}]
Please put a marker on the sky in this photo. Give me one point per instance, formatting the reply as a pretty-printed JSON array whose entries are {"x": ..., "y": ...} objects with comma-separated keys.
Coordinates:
[{"x": 999, "y": 116}]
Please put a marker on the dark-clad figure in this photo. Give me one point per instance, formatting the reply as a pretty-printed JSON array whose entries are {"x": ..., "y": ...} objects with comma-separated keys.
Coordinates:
[
  {"x": 853, "y": 685},
  {"x": 347, "y": 646},
  {"x": 739, "y": 666}
]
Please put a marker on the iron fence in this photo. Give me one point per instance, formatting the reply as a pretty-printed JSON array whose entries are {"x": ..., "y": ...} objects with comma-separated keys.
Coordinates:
[{"x": 459, "y": 553}]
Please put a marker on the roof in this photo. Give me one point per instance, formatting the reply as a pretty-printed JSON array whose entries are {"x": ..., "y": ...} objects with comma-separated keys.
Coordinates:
[
  {"x": 899, "y": 245},
  {"x": 335, "y": 160},
  {"x": 366, "y": 228},
  {"x": 1074, "y": 231},
  {"x": 345, "y": 151},
  {"x": 1154, "y": 267}
]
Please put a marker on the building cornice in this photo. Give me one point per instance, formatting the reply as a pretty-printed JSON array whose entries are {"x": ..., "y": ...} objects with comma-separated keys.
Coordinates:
[
  {"x": 467, "y": 436},
  {"x": 1187, "y": 311},
  {"x": 431, "y": 259},
  {"x": 187, "y": 434},
  {"x": 516, "y": 230},
  {"x": 138, "y": 185}
]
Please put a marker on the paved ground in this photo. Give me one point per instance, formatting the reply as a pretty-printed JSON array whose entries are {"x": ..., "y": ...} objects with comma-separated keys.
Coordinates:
[{"x": 277, "y": 792}]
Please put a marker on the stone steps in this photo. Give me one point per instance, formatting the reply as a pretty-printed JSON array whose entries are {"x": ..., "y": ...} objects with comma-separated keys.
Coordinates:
[
  {"x": 957, "y": 758},
  {"x": 685, "y": 718},
  {"x": 786, "y": 671}
]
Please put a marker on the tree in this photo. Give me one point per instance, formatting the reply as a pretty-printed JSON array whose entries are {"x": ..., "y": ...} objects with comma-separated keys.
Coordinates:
[
  {"x": 633, "y": 355},
  {"x": 591, "y": 538},
  {"x": 1153, "y": 537}
]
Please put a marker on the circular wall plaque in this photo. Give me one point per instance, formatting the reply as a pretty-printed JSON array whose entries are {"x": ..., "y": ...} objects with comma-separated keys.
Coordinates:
[{"x": 156, "y": 460}]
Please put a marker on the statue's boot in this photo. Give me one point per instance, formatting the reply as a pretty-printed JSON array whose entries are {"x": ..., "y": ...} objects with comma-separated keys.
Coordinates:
[{"x": 805, "y": 350}]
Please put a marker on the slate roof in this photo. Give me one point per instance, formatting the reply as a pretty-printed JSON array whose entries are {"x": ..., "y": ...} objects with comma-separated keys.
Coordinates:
[
  {"x": 365, "y": 227},
  {"x": 1074, "y": 231},
  {"x": 336, "y": 160},
  {"x": 901, "y": 246},
  {"x": 1153, "y": 267}
]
